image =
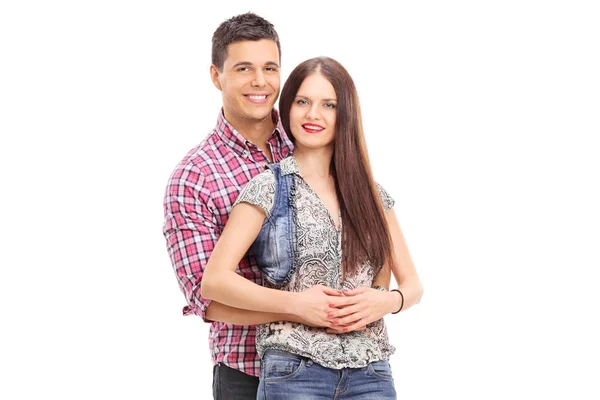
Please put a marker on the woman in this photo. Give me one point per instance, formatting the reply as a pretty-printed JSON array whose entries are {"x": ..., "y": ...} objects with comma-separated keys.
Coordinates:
[{"x": 319, "y": 226}]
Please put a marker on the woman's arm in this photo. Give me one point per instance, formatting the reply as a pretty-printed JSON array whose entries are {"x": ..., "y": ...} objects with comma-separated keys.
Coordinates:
[
  {"x": 364, "y": 305},
  {"x": 221, "y": 283},
  {"x": 402, "y": 266}
]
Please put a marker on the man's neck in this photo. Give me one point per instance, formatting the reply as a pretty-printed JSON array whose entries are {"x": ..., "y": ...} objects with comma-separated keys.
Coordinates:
[{"x": 256, "y": 132}]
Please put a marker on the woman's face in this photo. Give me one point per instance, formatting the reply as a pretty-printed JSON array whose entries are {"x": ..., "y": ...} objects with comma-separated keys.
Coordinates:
[{"x": 313, "y": 113}]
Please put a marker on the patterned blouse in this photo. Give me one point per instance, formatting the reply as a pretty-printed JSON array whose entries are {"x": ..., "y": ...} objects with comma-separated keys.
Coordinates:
[{"x": 319, "y": 256}]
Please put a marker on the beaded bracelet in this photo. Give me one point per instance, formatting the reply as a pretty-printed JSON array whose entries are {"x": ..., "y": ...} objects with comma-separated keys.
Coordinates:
[{"x": 402, "y": 301}]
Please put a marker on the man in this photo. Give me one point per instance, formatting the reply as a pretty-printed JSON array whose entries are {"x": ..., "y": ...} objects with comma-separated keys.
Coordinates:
[
  {"x": 203, "y": 187},
  {"x": 205, "y": 184}
]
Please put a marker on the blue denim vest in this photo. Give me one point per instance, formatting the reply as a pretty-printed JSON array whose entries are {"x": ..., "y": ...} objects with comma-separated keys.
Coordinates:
[{"x": 274, "y": 248}]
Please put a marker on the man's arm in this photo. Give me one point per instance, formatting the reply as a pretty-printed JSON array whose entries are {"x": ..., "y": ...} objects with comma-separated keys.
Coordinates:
[
  {"x": 191, "y": 233},
  {"x": 220, "y": 312}
]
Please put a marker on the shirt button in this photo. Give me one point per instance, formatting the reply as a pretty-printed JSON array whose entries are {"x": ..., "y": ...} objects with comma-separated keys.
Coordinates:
[{"x": 245, "y": 153}]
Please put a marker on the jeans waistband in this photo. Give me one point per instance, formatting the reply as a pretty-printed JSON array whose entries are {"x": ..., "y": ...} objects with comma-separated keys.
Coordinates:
[{"x": 282, "y": 353}]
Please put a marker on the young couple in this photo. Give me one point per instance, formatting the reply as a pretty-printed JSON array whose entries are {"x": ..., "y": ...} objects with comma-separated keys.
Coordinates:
[{"x": 287, "y": 248}]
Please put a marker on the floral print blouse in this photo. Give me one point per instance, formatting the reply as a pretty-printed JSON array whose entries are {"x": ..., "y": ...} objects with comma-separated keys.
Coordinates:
[{"x": 318, "y": 261}]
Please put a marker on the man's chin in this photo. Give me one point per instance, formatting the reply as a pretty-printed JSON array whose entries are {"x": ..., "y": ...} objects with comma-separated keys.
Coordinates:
[{"x": 262, "y": 115}]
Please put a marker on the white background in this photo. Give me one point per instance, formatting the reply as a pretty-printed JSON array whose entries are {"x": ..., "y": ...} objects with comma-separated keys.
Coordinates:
[{"x": 480, "y": 119}]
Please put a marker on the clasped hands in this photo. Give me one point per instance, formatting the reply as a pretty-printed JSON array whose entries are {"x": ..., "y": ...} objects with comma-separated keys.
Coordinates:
[{"x": 342, "y": 311}]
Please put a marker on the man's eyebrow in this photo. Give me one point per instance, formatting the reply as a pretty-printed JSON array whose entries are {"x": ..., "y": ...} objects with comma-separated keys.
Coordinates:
[{"x": 248, "y": 63}]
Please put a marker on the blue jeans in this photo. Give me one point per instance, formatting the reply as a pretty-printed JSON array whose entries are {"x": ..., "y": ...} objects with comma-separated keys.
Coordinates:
[{"x": 288, "y": 376}]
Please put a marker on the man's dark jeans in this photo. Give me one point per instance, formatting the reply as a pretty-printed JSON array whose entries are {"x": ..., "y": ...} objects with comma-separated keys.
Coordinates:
[{"x": 231, "y": 384}]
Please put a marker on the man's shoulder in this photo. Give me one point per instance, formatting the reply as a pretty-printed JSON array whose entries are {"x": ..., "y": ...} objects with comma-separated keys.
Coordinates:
[
  {"x": 203, "y": 157},
  {"x": 199, "y": 167}
]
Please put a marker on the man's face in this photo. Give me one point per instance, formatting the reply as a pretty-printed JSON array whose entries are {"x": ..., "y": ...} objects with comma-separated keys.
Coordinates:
[{"x": 249, "y": 82}]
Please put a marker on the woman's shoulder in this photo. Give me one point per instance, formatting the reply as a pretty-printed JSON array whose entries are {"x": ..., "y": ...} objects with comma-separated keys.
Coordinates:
[
  {"x": 265, "y": 177},
  {"x": 259, "y": 191},
  {"x": 386, "y": 199}
]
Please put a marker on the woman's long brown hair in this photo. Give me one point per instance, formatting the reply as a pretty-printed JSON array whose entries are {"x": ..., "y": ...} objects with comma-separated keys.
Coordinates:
[{"x": 365, "y": 235}]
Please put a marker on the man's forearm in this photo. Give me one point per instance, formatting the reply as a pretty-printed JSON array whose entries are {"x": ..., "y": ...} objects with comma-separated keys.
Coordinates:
[{"x": 237, "y": 316}]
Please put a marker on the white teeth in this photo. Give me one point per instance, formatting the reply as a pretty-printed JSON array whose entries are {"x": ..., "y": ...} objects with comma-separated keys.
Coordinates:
[
  {"x": 313, "y": 127},
  {"x": 258, "y": 97}
]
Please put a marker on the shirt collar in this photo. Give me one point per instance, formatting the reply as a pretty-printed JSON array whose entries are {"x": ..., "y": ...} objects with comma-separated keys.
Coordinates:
[{"x": 232, "y": 138}]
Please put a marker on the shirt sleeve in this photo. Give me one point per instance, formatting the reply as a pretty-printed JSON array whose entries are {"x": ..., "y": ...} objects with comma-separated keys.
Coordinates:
[
  {"x": 191, "y": 232},
  {"x": 387, "y": 200},
  {"x": 259, "y": 191}
]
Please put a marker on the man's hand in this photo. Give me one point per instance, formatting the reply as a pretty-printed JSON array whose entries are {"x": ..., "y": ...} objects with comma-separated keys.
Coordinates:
[{"x": 360, "y": 307}]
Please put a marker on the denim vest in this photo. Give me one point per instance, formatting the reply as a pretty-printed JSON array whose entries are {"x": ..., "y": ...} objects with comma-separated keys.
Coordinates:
[{"x": 274, "y": 248}]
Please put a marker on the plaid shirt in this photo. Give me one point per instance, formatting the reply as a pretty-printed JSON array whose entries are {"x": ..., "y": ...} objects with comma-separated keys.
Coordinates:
[{"x": 198, "y": 199}]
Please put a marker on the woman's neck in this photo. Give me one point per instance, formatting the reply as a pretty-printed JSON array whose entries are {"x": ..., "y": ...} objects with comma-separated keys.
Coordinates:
[{"x": 314, "y": 162}]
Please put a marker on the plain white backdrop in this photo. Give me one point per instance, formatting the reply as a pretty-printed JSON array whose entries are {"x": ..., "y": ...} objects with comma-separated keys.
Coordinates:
[{"x": 480, "y": 120}]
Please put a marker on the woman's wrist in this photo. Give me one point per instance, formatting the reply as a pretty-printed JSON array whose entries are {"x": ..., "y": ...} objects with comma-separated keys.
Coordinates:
[
  {"x": 396, "y": 299},
  {"x": 399, "y": 300},
  {"x": 292, "y": 303}
]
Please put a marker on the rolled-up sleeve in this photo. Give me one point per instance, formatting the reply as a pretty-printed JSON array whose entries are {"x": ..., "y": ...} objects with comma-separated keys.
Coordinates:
[{"x": 191, "y": 232}]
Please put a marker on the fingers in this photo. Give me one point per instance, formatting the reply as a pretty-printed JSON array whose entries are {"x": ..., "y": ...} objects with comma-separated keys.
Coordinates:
[
  {"x": 331, "y": 292},
  {"x": 343, "y": 312},
  {"x": 354, "y": 292},
  {"x": 359, "y": 326},
  {"x": 316, "y": 320},
  {"x": 342, "y": 301},
  {"x": 348, "y": 320}
]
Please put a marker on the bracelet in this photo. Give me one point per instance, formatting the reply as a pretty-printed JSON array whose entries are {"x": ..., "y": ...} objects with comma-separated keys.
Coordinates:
[{"x": 401, "y": 303}]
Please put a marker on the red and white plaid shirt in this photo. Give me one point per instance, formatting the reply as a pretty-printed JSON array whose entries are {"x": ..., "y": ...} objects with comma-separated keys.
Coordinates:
[{"x": 198, "y": 199}]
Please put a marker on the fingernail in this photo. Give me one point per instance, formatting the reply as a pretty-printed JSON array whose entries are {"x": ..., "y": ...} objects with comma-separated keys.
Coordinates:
[
  {"x": 331, "y": 305},
  {"x": 330, "y": 315},
  {"x": 345, "y": 329},
  {"x": 335, "y": 323}
]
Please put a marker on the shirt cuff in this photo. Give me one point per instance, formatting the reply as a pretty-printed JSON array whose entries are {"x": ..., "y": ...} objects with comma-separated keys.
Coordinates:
[{"x": 198, "y": 309}]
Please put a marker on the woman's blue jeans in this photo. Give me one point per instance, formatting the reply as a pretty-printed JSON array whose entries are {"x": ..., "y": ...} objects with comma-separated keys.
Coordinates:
[{"x": 288, "y": 376}]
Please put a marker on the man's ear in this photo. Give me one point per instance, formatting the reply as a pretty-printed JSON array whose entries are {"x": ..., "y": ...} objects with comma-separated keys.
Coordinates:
[{"x": 214, "y": 75}]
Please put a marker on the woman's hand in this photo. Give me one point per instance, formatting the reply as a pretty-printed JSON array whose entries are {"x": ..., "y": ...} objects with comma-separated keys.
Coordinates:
[
  {"x": 360, "y": 307},
  {"x": 314, "y": 305}
]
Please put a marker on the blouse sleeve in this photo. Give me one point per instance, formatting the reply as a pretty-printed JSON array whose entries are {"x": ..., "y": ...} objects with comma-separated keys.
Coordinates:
[
  {"x": 259, "y": 191},
  {"x": 387, "y": 200}
]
